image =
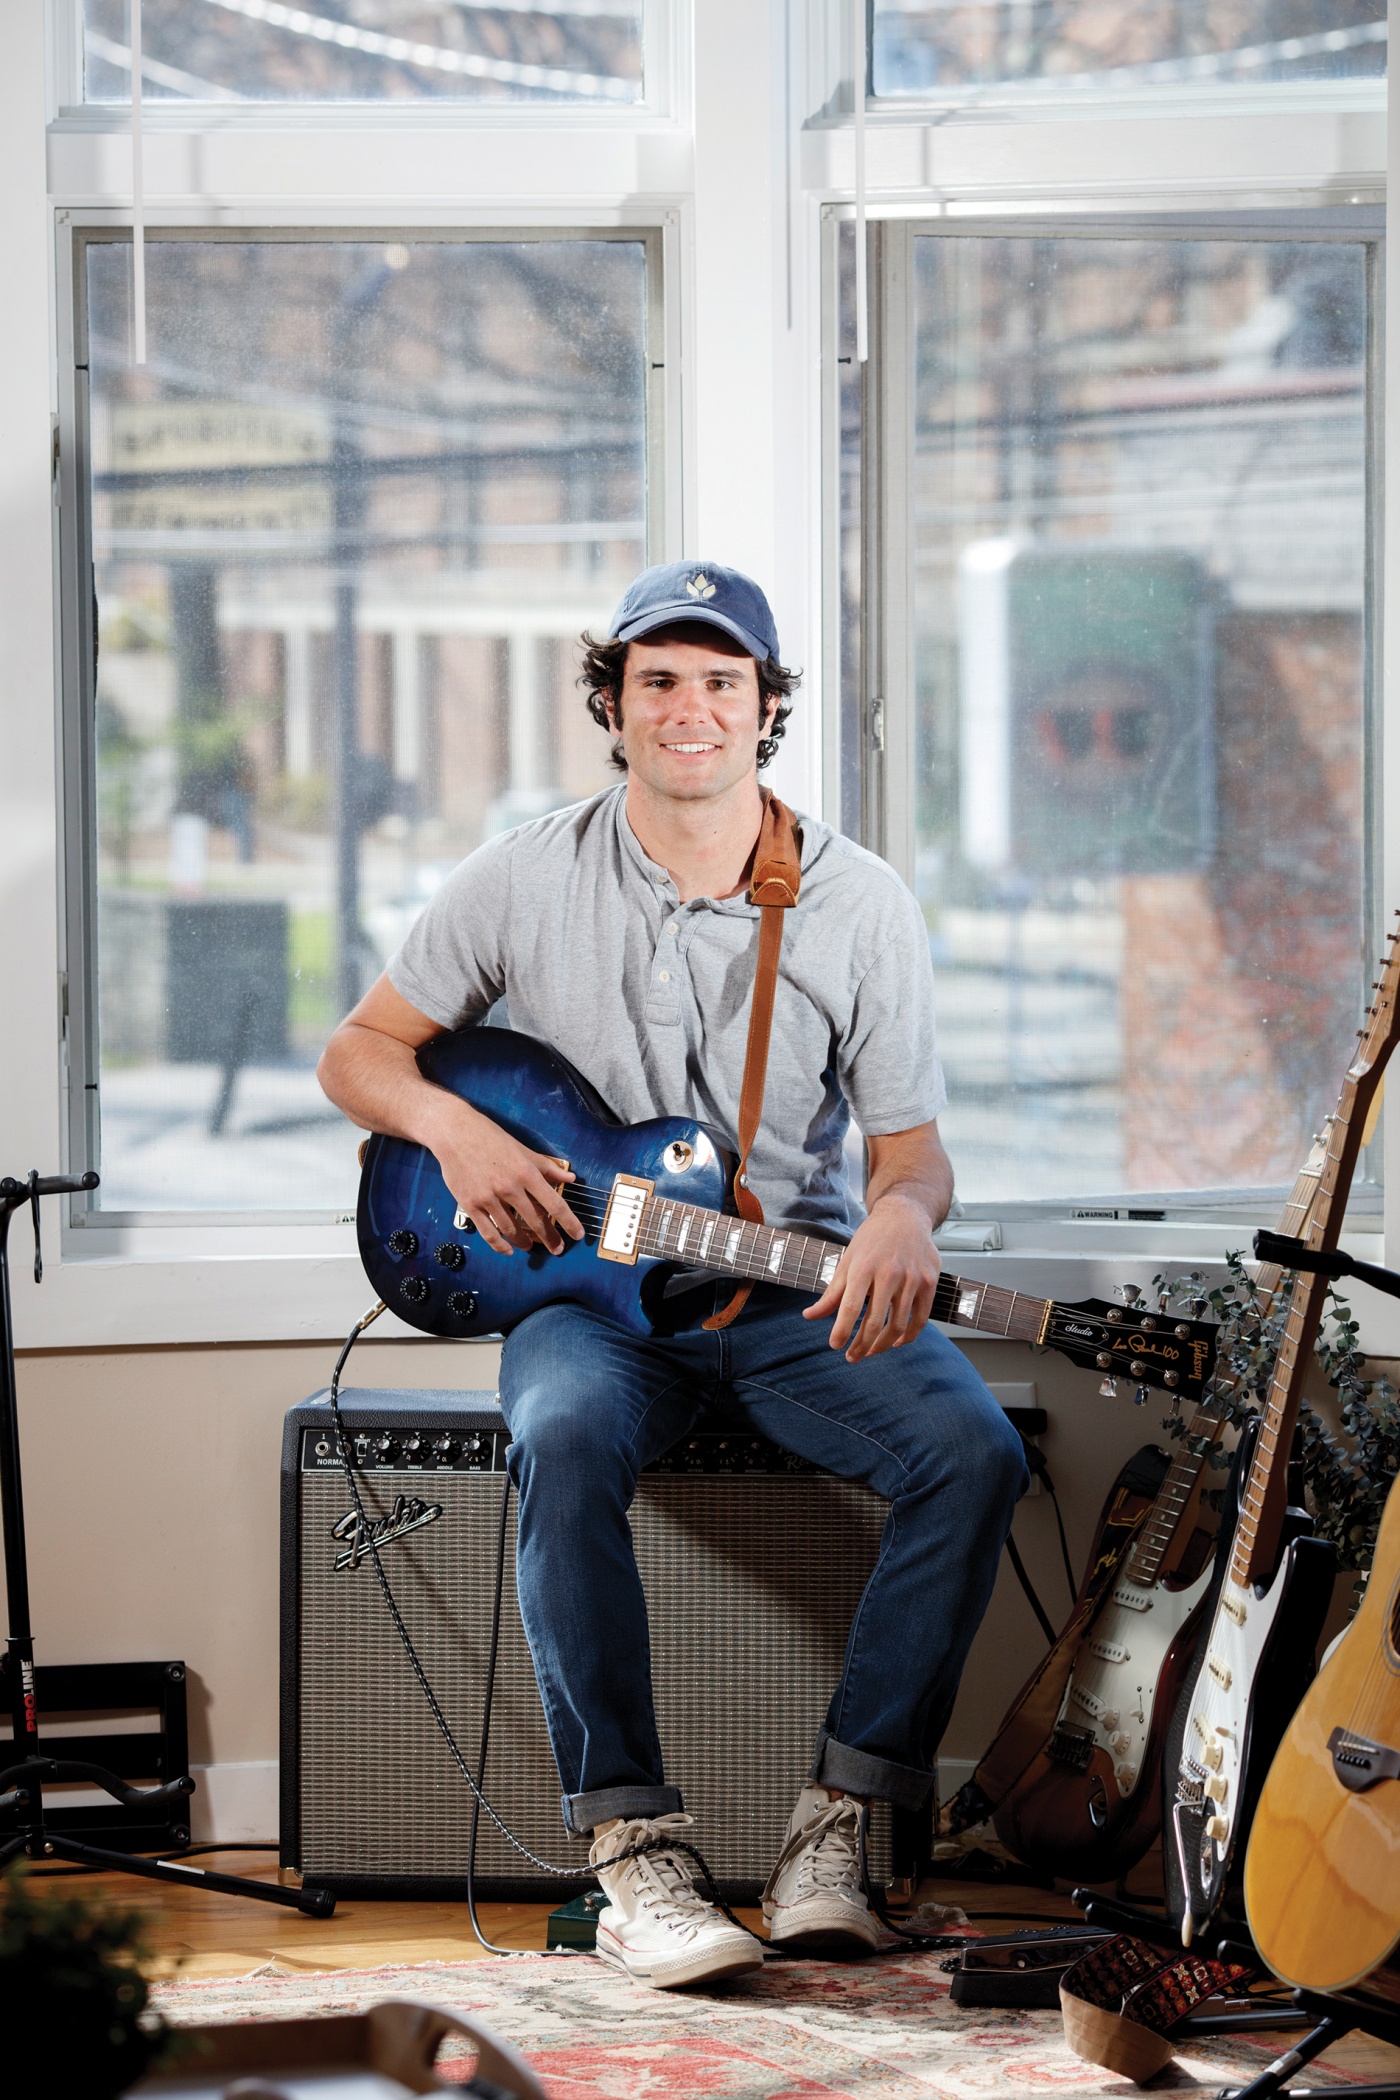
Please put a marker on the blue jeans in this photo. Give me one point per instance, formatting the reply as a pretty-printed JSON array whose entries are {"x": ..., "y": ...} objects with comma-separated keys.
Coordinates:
[{"x": 588, "y": 1405}]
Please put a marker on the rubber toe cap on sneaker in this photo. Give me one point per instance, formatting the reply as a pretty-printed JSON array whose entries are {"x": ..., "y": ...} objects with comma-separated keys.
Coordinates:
[
  {"x": 823, "y": 1925},
  {"x": 718, "y": 1960}
]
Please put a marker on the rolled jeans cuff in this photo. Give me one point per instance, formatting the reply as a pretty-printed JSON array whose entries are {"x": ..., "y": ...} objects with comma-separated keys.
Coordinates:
[
  {"x": 874, "y": 1778},
  {"x": 584, "y": 1812}
]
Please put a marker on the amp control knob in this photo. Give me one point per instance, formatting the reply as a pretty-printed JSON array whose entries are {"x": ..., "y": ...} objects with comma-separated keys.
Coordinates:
[
  {"x": 462, "y": 1304},
  {"x": 403, "y": 1242},
  {"x": 415, "y": 1289},
  {"x": 384, "y": 1447},
  {"x": 443, "y": 1446},
  {"x": 413, "y": 1446},
  {"x": 449, "y": 1255}
]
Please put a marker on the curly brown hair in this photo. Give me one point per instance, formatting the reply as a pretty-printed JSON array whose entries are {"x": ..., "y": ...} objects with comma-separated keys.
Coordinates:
[{"x": 605, "y": 661}]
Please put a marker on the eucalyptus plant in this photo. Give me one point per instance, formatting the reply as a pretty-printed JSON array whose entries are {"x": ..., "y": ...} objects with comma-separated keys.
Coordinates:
[{"x": 1346, "y": 1478}]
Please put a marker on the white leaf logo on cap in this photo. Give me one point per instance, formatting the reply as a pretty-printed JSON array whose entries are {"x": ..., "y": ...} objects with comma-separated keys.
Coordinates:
[{"x": 700, "y": 586}]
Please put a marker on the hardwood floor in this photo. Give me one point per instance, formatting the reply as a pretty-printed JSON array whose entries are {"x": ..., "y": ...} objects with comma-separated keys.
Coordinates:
[{"x": 192, "y": 1932}]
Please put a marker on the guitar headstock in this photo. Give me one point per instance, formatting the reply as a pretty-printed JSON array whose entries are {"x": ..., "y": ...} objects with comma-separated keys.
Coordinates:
[
  {"x": 1382, "y": 1030},
  {"x": 1147, "y": 1348}
]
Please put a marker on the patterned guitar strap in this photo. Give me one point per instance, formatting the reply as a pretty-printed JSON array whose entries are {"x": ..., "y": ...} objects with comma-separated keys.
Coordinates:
[
  {"x": 776, "y": 880},
  {"x": 1132, "y": 1985}
]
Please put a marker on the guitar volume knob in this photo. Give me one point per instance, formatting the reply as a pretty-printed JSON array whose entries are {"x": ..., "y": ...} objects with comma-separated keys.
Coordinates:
[
  {"x": 1218, "y": 1828},
  {"x": 462, "y": 1305},
  {"x": 449, "y": 1255},
  {"x": 403, "y": 1242},
  {"x": 414, "y": 1289}
]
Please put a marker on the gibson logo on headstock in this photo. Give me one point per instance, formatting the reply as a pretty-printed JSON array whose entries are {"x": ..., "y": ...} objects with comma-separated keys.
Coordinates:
[{"x": 408, "y": 1514}]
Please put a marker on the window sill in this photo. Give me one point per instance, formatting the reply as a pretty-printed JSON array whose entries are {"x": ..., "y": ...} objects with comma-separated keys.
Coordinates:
[{"x": 196, "y": 1284}]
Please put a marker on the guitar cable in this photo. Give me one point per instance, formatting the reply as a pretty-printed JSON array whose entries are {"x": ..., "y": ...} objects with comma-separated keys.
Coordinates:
[{"x": 475, "y": 1781}]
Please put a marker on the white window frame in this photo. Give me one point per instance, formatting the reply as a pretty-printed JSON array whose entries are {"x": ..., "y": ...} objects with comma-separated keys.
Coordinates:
[
  {"x": 87, "y": 1215},
  {"x": 663, "y": 99},
  {"x": 739, "y": 172},
  {"x": 886, "y": 739}
]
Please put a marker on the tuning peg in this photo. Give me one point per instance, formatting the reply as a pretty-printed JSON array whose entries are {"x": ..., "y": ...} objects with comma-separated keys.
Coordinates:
[
  {"x": 1109, "y": 1389},
  {"x": 1140, "y": 1396}
]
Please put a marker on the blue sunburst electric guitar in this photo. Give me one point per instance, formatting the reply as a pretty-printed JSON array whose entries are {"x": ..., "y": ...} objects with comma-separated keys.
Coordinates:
[{"x": 653, "y": 1199}]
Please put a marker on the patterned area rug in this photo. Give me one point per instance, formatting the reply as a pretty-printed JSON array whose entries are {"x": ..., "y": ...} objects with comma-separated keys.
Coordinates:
[{"x": 870, "y": 2031}]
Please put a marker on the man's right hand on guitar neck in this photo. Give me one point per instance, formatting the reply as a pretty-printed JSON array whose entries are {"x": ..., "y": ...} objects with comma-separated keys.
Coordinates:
[{"x": 512, "y": 1195}]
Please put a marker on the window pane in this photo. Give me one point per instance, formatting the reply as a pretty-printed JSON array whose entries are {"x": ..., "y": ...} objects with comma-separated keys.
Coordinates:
[
  {"x": 348, "y": 522},
  {"x": 1140, "y": 544},
  {"x": 367, "y": 51},
  {"x": 928, "y": 47}
]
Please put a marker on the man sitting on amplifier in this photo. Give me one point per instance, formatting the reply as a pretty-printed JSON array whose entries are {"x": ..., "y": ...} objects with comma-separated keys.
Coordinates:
[{"x": 621, "y": 931}]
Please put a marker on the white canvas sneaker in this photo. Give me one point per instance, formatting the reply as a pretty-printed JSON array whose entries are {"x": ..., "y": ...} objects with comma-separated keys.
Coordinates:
[
  {"x": 657, "y": 1926},
  {"x": 814, "y": 1897}
]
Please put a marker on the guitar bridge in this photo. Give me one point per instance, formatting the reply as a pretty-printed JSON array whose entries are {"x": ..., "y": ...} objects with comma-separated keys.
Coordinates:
[
  {"x": 1359, "y": 1763},
  {"x": 1072, "y": 1747}
]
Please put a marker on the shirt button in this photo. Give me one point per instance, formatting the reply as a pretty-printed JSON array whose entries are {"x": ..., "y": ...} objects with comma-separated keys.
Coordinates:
[
  {"x": 665, "y": 977},
  {"x": 671, "y": 928}
]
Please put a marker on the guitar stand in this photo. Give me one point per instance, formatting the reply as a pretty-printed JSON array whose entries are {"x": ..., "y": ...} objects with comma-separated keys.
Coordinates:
[
  {"x": 1333, "y": 2018},
  {"x": 22, "y": 1785}
]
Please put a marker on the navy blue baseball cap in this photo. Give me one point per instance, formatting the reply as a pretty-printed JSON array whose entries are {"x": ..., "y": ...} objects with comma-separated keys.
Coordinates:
[{"x": 697, "y": 590}]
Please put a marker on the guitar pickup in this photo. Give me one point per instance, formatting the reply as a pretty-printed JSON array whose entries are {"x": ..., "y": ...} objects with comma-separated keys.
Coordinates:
[
  {"x": 1133, "y": 1599},
  {"x": 623, "y": 1224},
  {"x": 1359, "y": 1763}
]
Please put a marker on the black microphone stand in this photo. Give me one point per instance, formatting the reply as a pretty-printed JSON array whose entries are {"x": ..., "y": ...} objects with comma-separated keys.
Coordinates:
[
  {"x": 1287, "y": 1253},
  {"x": 22, "y": 1786}
]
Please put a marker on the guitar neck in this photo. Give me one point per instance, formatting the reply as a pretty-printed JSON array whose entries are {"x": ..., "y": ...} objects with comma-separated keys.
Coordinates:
[
  {"x": 710, "y": 1239},
  {"x": 1260, "y": 1523}
]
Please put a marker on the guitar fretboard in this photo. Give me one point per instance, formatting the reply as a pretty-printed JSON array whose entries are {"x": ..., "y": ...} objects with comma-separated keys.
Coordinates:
[
  {"x": 709, "y": 1239},
  {"x": 1260, "y": 1520}
]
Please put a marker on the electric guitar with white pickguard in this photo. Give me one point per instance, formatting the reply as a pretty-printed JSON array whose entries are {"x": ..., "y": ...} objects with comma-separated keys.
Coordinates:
[
  {"x": 1257, "y": 1657},
  {"x": 1088, "y": 1805}
]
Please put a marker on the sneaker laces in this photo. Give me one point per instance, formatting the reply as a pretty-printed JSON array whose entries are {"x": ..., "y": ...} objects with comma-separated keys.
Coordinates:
[
  {"x": 826, "y": 1849},
  {"x": 660, "y": 1881}
]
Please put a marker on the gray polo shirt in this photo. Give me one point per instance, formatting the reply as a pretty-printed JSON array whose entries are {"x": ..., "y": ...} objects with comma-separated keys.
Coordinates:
[{"x": 587, "y": 942}]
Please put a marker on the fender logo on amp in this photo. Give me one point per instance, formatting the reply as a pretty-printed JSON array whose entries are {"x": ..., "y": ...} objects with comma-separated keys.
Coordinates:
[{"x": 408, "y": 1514}]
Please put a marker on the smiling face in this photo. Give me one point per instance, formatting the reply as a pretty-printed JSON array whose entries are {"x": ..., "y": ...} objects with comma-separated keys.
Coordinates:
[{"x": 690, "y": 715}]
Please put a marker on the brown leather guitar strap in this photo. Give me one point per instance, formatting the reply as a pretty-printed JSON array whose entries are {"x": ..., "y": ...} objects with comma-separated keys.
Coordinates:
[{"x": 776, "y": 880}]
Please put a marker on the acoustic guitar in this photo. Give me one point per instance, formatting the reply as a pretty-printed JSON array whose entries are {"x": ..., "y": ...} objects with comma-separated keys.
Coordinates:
[
  {"x": 1088, "y": 1803},
  {"x": 1256, "y": 1659},
  {"x": 1322, "y": 1873},
  {"x": 653, "y": 1199}
]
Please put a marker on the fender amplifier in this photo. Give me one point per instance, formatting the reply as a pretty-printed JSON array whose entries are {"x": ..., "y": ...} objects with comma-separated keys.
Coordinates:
[{"x": 753, "y": 1562}]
